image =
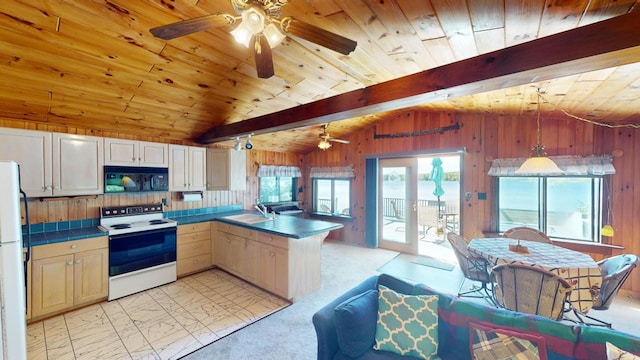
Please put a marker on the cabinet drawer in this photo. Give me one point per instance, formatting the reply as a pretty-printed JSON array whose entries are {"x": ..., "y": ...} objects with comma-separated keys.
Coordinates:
[
  {"x": 193, "y": 237},
  {"x": 193, "y": 249},
  {"x": 69, "y": 247},
  {"x": 196, "y": 227},
  {"x": 275, "y": 240},
  {"x": 237, "y": 230},
  {"x": 192, "y": 264}
]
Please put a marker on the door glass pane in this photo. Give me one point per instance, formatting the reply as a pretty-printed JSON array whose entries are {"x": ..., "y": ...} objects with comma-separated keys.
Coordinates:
[
  {"x": 394, "y": 197},
  {"x": 570, "y": 208},
  {"x": 518, "y": 202}
]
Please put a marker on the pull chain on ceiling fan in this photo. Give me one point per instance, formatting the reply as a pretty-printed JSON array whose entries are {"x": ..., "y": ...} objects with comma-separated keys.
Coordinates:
[{"x": 261, "y": 26}]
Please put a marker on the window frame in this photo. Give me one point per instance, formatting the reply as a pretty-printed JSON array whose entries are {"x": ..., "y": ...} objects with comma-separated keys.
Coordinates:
[
  {"x": 294, "y": 186},
  {"x": 599, "y": 192},
  {"x": 333, "y": 213}
]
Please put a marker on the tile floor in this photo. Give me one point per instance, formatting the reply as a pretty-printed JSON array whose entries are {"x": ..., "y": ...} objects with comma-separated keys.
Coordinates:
[{"x": 166, "y": 322}]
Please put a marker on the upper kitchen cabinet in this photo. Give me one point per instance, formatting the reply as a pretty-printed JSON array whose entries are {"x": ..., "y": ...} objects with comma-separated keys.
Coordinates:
[
  {"x": 121, "y": 152},
  {"x": 32, "y": 151},
  {"x": 226, "y": 169},
  {"x": 78, "y": 165},
  {"x": 187, "y": 168},
  {"x": 55, "y": 164}
]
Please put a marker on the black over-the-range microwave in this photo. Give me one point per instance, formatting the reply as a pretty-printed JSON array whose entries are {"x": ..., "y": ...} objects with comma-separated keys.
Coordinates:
[{"x": 128, "y": 179}]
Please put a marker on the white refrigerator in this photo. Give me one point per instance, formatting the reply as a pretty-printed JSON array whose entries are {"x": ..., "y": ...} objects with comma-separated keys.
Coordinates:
[{"x": 12, "y": 285}]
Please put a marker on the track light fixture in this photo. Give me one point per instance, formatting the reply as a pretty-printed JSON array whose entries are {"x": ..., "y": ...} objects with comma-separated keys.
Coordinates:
[{"x": 247, "y": 145}]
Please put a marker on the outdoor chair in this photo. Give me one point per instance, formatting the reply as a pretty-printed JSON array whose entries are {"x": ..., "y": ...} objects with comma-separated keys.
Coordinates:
[
  {"x": 427, "y": 218},
  {"x": 526, "y": 233},
  {"x": 473, "y": 268},
  {"x": 529, "y": 289},
  {"x": 615, "y": 270}
]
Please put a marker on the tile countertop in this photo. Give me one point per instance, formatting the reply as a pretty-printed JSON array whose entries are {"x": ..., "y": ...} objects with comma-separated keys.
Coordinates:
[{"x": 283, "y": 225}]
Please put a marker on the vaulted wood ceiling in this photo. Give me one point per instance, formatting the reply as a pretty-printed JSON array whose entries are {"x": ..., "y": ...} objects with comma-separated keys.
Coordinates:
[{"x": 94, "y": 64}]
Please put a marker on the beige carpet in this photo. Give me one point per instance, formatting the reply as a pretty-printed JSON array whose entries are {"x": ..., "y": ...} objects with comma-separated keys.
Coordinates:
[{"x": 289, "y": 333}]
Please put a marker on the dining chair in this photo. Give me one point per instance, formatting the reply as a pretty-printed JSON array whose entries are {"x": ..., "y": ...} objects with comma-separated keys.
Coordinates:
[
  {"x": 474, "y": 268},
  {"x": 530, "y": 289},
  {"x": 615, "y": 270},
  {"x": 526, "y": 233}
]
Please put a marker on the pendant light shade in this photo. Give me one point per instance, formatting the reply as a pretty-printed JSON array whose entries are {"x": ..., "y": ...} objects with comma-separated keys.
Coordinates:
[{"x": 539, "y": 164}]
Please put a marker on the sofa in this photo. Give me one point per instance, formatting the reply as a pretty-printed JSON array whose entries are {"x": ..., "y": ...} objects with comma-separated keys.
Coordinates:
[{"x": 349, "y": 327}]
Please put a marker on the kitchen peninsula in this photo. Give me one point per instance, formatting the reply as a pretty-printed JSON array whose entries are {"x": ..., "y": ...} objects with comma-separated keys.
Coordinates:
[{"x": 281, "y": 255}]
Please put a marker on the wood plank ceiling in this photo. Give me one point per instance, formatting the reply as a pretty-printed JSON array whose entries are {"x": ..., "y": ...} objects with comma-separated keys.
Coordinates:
[{"x": 94, "y": 64}]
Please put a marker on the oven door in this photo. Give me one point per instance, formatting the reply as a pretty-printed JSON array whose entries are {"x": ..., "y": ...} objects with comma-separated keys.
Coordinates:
[{"x": 141, "y": 250}]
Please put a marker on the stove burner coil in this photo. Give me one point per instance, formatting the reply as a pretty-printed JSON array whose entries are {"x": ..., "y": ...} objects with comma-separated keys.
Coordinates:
[
  {"x": 157, "y": 221},
  {"x": 120, "y": 226}
]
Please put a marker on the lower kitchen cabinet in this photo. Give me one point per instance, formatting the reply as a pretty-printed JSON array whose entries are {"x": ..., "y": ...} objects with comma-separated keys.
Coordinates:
[
  {"x": 193, "y": 248},
  {"x": 68, "y": 274},
  {"x": 237, "y": 251},
  {"x": 274, "y": 270},
  {"x": 288, "y": 267}
]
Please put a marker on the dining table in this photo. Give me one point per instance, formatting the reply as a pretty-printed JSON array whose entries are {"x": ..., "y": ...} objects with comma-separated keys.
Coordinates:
[{"x": 579, "y": 269}]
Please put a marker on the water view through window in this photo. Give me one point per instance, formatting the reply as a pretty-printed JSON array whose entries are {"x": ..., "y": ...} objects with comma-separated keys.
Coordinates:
[{"x": 561, "y": 207}]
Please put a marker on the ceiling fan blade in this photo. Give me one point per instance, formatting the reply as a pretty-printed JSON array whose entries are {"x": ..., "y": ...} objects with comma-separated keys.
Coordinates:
[
  {"x": 340, "y": 141},
  {"x": 319, "y": 36},
  {"x": 186, "y": 27},
  {"x": 264, "y": 60}
]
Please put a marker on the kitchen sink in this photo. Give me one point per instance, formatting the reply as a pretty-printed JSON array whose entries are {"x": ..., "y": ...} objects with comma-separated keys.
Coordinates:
[{"x": 247, "y": 218}]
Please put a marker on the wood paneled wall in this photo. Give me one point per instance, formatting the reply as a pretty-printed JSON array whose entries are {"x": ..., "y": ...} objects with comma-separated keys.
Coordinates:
[{"x": 485, "y": 137}]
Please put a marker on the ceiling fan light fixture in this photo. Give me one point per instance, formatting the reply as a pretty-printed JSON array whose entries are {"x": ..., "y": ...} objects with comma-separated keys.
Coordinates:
[
  {"x": 274, "y": 35},
  {"x": 324, "y": 144},
  {"x": 252, "y": 24}
]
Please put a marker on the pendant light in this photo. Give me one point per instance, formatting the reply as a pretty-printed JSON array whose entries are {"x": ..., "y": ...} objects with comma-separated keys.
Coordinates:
[
  {"x": 539, "y": 164},
  {"x": 607, "y": 229}
]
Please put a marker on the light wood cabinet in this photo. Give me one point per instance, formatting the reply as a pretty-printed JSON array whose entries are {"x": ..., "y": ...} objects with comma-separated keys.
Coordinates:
[
  {"x": 237, "y": 251},
  {"x": 78, "y": 165},
  {"x": 287, "y": 267},
  {"x": 32, "y": 151},
  {"x": 187, "y": 168},
  {"x": 193, "y": 248},
  {"x": 226, "y": 169},
  {"x": 55, "y": 164},
  {"x": 68, "y": 274},
  {"x": 122, "y": 152}
]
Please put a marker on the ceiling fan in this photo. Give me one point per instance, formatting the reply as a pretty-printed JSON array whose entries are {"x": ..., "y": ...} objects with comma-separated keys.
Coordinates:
[
  {"x": 326, "y": 139},
  {"x": 261, "y": 28}
]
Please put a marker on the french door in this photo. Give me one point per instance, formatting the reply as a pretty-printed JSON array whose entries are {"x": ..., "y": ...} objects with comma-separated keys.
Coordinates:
[{"x": 397, "y": 215}]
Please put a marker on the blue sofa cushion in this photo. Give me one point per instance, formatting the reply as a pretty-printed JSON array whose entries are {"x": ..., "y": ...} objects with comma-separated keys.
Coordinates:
[
  {"x": 407, "y": 324},
  {"x": 355, "y": 322}
]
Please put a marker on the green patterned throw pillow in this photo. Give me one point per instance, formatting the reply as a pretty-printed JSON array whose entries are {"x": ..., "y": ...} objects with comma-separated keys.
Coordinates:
[{"x": 407, "y": 324}]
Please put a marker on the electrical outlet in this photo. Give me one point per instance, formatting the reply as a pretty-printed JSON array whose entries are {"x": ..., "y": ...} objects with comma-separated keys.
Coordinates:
[
  {"x": 467, "y": 196},
  {"x": 164, "y": 201}
]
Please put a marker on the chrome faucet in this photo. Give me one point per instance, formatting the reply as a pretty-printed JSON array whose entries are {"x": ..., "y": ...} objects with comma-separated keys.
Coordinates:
[{"x": 262, "y": 209}]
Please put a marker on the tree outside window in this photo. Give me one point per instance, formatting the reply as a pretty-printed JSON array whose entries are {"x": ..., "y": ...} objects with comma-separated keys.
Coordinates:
[{"x": 277, "y": 189}]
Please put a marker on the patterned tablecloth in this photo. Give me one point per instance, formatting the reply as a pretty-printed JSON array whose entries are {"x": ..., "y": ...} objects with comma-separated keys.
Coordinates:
[{"x": 579, "y": 269}]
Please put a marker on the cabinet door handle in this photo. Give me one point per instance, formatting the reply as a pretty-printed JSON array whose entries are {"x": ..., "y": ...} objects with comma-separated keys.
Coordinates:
[
  {"x": 195, "y": 236},
  {"x": 69, "y": 263},
  {"x": 195, "y": 261},
  {"x": 74, "y": 246},
  {"x": 78, "y": 261},
  {"x": 133, "y": 159}
]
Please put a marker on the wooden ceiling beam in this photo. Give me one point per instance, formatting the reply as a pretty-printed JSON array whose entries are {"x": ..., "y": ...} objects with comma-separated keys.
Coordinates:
[{"x": 601, "y": 45}]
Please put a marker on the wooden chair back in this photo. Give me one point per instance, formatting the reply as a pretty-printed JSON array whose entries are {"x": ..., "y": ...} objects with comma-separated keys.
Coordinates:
[{"x": 526, "y": 233}]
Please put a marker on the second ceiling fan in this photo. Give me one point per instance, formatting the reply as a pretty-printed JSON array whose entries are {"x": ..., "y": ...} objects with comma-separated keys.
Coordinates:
[{"x": 260, "y": 28}]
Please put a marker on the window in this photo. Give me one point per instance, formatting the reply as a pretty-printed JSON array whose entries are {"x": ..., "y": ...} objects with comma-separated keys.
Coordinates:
[
  {"x": 561, "y": 207},
  {"x": 332, "y": 196},
  {"x": 276, "y": 189}
]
